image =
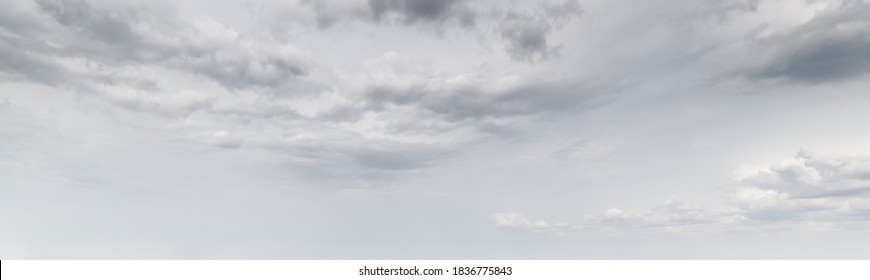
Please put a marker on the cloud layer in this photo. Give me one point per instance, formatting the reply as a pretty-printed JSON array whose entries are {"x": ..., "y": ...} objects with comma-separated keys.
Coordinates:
[{"x": 388, "y": 128}]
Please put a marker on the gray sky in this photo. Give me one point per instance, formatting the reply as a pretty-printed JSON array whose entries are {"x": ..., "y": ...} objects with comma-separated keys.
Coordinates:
[{"x": 434, "y": 129}]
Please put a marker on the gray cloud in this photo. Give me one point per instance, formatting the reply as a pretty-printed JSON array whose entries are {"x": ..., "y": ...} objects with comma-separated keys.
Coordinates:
[
  {"x": 119, "y": 34},
  {"x": 526, "y": 34},
  {"x": 406, "y": 12},
  {"x": 244, "y": 67},
  {"x": 526, "y": 38},
  {"x": 352, "y": 160},
  {"x": 713, "y": 13},
  {"x": 106, "y": 32},
  {"x": 274, "y": 131},
  {"x": 23, "y": 65},
  {"x": 415, "y": 118},
  {"x": 473, "y": 103},
  {"x": 833, "y": 46},
  {"x": 412, "y": 11}
]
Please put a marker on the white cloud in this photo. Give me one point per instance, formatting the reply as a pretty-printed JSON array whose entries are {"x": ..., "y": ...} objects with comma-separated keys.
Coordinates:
[
  {"x": 518, "y": 221},
  {"x": 808, "y": 187},
  {"x": 802, "y": 193}
]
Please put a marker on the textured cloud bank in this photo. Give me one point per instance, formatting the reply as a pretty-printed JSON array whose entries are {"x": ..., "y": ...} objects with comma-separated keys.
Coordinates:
[{"x": 267, "y": 94}]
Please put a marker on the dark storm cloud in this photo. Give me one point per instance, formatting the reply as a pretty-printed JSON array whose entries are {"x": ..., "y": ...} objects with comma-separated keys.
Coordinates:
[
  {"x": 833, "y": 46},
  {"x": 116, "y": 34}
]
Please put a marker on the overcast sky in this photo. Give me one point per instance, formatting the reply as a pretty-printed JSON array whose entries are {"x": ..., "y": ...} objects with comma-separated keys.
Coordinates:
[{"x": 434, "y": 129}]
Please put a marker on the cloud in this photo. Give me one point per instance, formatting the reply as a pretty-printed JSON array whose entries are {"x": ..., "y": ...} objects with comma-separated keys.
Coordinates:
[
  {"x": 675, "y": 211},
  {"x": 711, "y": 13},
  {"x": 811, "y": 176},
  {"x": 327, "y": 13},
  {"x": 21, "y": 42},
  {"x": 404, "y": 12},
  {"x": 526, "y": 38},
  {"x": 18, "y": 65},
  {"x": 118, "y": 49},
  {"x": 673, "y": 216},
  {"x": 807, "y": 187},
  {"x": 462, "y": 103},
  {"x": 203, "y": 76},
  {"x": 525, "y": 34},
  {"x": 350, "y": 159},
  {"x": 78, "y": 39},
  {"x": 518, "y": 222},
  {"x": 808, "y": 192},
  {"x": 305, "y": 120},
  {"x": 832, "y": 46},
  {"x": 413, "y": 11}
]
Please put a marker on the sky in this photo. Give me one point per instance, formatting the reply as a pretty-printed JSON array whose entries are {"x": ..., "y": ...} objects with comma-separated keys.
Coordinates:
[{"x": 420, "y": 129}]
